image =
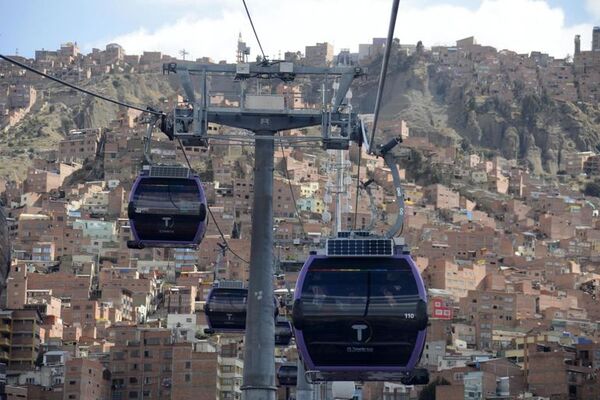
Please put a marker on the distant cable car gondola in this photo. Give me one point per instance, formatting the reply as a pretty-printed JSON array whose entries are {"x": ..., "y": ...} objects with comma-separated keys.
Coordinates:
[
  {"x": 167, "y": 208},
  {"x": 287, "y": 374},
  {"x": 225, "y": 308},
  {"x": 283, "y": 332},
  {"x": 360, "y": 312}
]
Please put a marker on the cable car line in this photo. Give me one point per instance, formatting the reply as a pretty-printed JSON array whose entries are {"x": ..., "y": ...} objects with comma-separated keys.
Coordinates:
[
  {"x": 254, "y": 29},
  {"x": 223, "y": 238},
  {"x": 287, "y": 177},
  {"x": 187, "y": 160},
  {"x": 384, "y": 67},
  {"x": 80, "y": 89}
]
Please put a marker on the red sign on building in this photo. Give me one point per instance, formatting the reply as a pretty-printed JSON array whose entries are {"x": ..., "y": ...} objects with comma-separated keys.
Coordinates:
[{"x": 440, "y": 310}]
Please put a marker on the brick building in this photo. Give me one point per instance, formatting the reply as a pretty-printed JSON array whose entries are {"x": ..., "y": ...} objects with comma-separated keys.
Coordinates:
[
  {"x": 319, "y": 55},
  {"x": 86, "y": 379},
  {"x": 79, "y": 145}
]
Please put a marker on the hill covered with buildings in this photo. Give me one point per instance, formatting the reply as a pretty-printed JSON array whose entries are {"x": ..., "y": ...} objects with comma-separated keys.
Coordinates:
[{"x": 510, "y": 255}]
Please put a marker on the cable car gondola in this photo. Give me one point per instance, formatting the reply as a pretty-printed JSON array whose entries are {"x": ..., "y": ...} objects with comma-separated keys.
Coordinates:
[
  {"x": 167, "y": 208},
  {"x": 287, "y": 374},
  {"x": 283, "y": 332},
  {"x": 225, "y": 309},
  {"x": 360, "y": 312}
]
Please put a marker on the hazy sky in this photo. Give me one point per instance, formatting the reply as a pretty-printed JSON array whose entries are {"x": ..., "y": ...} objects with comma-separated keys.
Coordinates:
[{"x": 211, "y": 27}]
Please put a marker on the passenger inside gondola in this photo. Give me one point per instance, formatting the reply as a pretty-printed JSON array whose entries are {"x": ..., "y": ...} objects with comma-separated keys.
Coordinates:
[
  {"x": 378, "y": 296},
  {"x": 317, "y": 294},
  {"x": 389, "y": 296}
]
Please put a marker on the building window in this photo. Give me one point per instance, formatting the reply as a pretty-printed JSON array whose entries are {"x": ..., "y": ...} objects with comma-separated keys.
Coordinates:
[{"x": 188, "y": 377}]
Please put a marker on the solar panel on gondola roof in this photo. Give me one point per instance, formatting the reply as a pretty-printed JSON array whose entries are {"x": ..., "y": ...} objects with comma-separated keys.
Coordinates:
[
  {"x": 169, "y": 171},
  {"x": 360, "y": 247}
]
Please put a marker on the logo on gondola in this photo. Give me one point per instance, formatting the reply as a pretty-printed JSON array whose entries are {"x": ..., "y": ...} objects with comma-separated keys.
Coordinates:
[
  {"x": 361, "y": 331},
  {"x": 169, "y": 221}
]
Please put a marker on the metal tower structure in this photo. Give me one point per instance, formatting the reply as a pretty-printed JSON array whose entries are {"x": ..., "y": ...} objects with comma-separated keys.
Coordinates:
[{"x": 264, "y": 115}]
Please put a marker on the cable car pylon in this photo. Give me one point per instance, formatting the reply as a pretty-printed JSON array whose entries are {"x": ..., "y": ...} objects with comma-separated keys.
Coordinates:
[{"x": 190, "y": 124}]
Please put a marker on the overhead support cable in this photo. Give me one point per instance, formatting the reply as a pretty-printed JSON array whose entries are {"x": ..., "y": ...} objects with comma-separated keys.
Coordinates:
[
  {"x": 254, "y": 29},
  {"x": 287, "y": 177},
  {"x": 227, "y": 247},
  {"x": 80, "y": 89},
  {"x": 384, "y": 67}
]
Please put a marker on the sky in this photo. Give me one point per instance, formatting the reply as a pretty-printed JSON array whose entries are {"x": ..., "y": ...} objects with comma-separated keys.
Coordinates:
[{"x": 210, "y": 27}]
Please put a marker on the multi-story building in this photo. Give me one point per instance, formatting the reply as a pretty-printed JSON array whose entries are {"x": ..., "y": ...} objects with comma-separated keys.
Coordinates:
[
  {"x": 442, "y": 197},
  {"x": 196, "y": 372},
  {"x": 79, "y": 145},
  {"x": 5, "y": 332},
  {"x": 141, "y": 362},
  {"x": 180, "y": 300},
  {"x": 231, "y": 369},
  {"x": 319, "y": 55},
  {"x": 146, "y": 363},
  {"x": 491, "y": 310},
  {"x": 31, "y": 228},
  {"x": 42, "y": 181},
  {"x": 457, "y": 280},
  {"x": 5, "y": 248},
  {"x": 20, "y": 334},
  {"x": 85, "y": 379}
]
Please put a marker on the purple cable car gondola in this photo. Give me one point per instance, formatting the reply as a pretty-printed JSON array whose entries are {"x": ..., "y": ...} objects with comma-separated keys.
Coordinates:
[
  {"x": 360, "y": 313},
  {"x": 167, "y": 208}
]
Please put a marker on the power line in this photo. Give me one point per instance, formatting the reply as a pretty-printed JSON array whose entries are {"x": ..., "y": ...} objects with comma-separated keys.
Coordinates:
[
  {"x": 80, "y": 89},
  {"x": 254, "y": 29},
  {"x": 287, "y": 177},
  {"x": 187, "y": 160},
  {"x": 383, "y": 72}
]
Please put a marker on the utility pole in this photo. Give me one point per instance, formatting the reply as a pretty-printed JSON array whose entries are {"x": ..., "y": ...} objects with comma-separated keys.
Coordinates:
[{"x": 265, "y": 115}]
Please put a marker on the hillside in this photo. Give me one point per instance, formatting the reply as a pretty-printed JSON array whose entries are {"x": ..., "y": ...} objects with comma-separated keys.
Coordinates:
[
  {"x": 61, "y": 108},
  {"x": 498, "y": 112},
  {"x": 517, "y": 124}
]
